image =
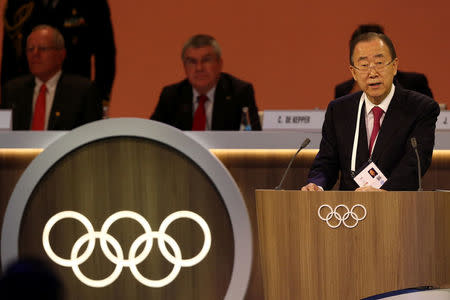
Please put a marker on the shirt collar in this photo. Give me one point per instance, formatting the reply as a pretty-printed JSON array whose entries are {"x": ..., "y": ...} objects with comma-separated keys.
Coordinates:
[
  {"x": 209, "y": 94},
  {"x": 51, "y": 83},
  {"x": 383, "y": 105}
]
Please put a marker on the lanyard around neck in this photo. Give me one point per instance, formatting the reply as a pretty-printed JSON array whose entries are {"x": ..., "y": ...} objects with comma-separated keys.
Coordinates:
[{"x": 356, "y": 137}]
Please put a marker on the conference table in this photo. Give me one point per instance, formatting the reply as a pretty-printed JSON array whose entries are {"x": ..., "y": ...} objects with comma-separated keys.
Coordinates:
[{"x": 256, "y": 160}]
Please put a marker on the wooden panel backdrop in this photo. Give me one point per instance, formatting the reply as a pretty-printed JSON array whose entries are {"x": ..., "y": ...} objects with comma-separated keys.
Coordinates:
[
  {"x": 252, "y": 169},
  {"x": 146, "y": 177}
]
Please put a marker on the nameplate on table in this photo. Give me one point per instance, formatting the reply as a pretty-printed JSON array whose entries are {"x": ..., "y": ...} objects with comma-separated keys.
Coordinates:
[
  {"x": 443, "y": 121},
  {"x": 5, "y": 119},
  {"x": 293, "y": 119}
]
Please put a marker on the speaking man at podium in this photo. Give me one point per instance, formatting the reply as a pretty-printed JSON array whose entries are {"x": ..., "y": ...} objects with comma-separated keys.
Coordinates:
[{"x": 369, "y": 136}]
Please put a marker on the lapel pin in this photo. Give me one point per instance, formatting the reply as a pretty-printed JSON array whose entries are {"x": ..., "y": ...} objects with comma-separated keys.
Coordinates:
[{"x": 57, "y": 113}]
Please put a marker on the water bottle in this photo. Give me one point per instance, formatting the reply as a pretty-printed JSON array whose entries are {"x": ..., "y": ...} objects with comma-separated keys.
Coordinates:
[{"x": 246, "y": 125}]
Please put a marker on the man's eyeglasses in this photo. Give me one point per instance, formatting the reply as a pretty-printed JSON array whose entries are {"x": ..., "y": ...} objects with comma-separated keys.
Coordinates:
[
  {"x": 378, "y": 66},
  {"x": 40, "y": 49},
  {"x": 190, "y": 62}
]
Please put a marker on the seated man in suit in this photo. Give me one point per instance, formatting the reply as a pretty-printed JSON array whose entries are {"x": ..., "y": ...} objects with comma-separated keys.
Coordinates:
[
  {"x": 207, "y": 99},
  {"x": 373, "y": 128},
  {"x": 49, "y": 99},
  {"x": 408, "y": 80}
]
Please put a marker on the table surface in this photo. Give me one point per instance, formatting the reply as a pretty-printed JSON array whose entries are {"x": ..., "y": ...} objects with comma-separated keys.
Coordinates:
[{"x": 209, "y": 139}]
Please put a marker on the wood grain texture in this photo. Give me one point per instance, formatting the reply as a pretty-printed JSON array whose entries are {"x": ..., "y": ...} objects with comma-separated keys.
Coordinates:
[
  {"x": 251, "y": 169},
  {"x": 146, "y": 177},
  {"x": 400, "y": 244}
]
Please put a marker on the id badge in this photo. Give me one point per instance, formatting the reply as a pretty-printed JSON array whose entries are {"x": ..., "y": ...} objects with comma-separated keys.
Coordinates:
[{"x": 370, "y": 175}]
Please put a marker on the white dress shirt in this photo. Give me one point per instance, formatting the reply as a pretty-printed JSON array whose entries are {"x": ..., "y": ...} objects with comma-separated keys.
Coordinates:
[
  {"x": 369, "y": 114},
  {"x": 208, "y": 105},
  {"x": 49, "y": 95}
]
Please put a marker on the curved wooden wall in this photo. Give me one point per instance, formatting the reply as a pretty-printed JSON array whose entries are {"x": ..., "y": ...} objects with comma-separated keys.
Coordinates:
[
  {"x": 252, "y": 169},
  {"x": 146, "y": 177}
]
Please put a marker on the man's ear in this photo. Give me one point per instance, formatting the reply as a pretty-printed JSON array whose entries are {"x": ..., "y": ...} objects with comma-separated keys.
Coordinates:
[
  {"x": 353, "y": 71},
  {"x": 62, "y": 56},
  {"x": 395, "y": 65}
]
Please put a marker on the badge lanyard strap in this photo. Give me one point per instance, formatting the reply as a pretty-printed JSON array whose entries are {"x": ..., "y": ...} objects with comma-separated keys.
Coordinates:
[{"x": 356, "y": 138}]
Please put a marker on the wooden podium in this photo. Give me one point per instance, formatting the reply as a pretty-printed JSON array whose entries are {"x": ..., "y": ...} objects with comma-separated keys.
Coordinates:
[{"x": 402, "y": 242}]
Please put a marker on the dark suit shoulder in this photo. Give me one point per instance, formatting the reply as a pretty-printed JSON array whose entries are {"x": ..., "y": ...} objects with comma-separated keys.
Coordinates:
[
  {"x": 13, "y": 89},
  {"x": 19, "y": 82},
  {"x": 346, "y": 101},
  {"x": 226, "y": 80},
  {"x": 230, "y": 81},
  {"x": 412, "y": 96},
  {"x": 401, "y": 75},
  {"x": 343, "y": 88},
  {"x": 177, "y": 88},
  {"x": 411, "y": 100},
  {"x": 75, "y": 80},
  {"x": 414, "y": 81}
]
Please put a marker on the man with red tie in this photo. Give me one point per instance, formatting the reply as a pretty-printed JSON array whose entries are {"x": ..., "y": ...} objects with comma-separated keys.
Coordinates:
[
  {"x": 49, "y": 99},
  {"x": 370, "y": 131},
  {"x": 207, "y": 99}
]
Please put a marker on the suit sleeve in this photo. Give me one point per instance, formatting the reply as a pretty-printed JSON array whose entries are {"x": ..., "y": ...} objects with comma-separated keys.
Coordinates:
[
  {"x": 104, "y": 50},
  {"x": 93, "y": 109},
  {"x": 4, "y": 103},
  {"x": 343, "y": 88},
  {"x": 423, "y": 87},
  {"x": 404, "y": 175},
  {"x": 253, "y": 109},
  {"x": 162, "y": 110},
  {"x": 325, "y": 168}
]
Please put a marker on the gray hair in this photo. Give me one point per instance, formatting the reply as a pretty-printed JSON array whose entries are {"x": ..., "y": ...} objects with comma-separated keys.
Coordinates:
[
  {"x": 202, "y": 40},
  {"x": 369, "y": 36},
  {"x": 58, "y": 38}
]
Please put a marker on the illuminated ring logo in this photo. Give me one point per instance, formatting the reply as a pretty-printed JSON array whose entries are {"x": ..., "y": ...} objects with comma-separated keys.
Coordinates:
[
  {"x": 341, "y": 219},
  {"x": 118, "y": 259}
]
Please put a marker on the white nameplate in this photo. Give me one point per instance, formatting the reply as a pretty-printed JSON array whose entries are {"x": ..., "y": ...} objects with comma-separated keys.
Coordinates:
[
  {"x": 293, "y": 119},
  {"x": 5, "y": 119},
  {"x": 443, "y": 121}
]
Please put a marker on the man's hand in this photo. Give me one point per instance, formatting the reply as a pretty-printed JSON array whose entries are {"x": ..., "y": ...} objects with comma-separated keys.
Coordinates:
[
  {"x": 368, "y": 188},
  {"x": 312, "y": 188}
]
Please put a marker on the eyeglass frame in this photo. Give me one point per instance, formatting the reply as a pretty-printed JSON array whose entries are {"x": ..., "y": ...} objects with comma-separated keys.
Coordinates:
[
  {"x": 41, "y": 49},
  {"x": 191, "y": 62},
  {"x": 383, "y": 67}
]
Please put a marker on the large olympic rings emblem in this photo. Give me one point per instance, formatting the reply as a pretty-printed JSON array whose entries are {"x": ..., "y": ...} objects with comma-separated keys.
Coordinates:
[
  {"x": 342, "y": 219},
  {"x": 118, "y": 259}
]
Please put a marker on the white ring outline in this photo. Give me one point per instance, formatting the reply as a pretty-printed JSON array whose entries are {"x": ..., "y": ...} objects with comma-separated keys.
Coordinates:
[
  {"x": 342, "y": 219},
  {"x": 46, "y": 240},
  {"x": 83, "y": 278},
  {"x": 176, "y": 266},
  {"x": 206, "y": 244},
  {"x": 129, "y": 215},
  {"x": 132, "y": 260}
]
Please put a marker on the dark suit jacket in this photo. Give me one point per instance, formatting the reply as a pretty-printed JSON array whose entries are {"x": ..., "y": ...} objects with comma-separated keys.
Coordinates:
[
  {"x": 87, "y": 30},
  {"x": 407, "y": 80},
  {"x": 409, "y": 114},
  {"x": 175, "y": 105},
  {"x": 77, "y": 102}
]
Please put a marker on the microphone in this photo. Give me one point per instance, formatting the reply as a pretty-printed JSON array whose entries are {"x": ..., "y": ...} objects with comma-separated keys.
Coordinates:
[
  {"x": 304, "y": 144},
  {"x": 414, "y": 145}
]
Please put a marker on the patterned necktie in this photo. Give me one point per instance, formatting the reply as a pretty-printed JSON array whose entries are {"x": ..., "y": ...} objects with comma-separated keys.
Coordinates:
[
  {"x": 377, "y": 113},
  {"x": 39, "y": 110},
  {"x": 200, "y": 114}
]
